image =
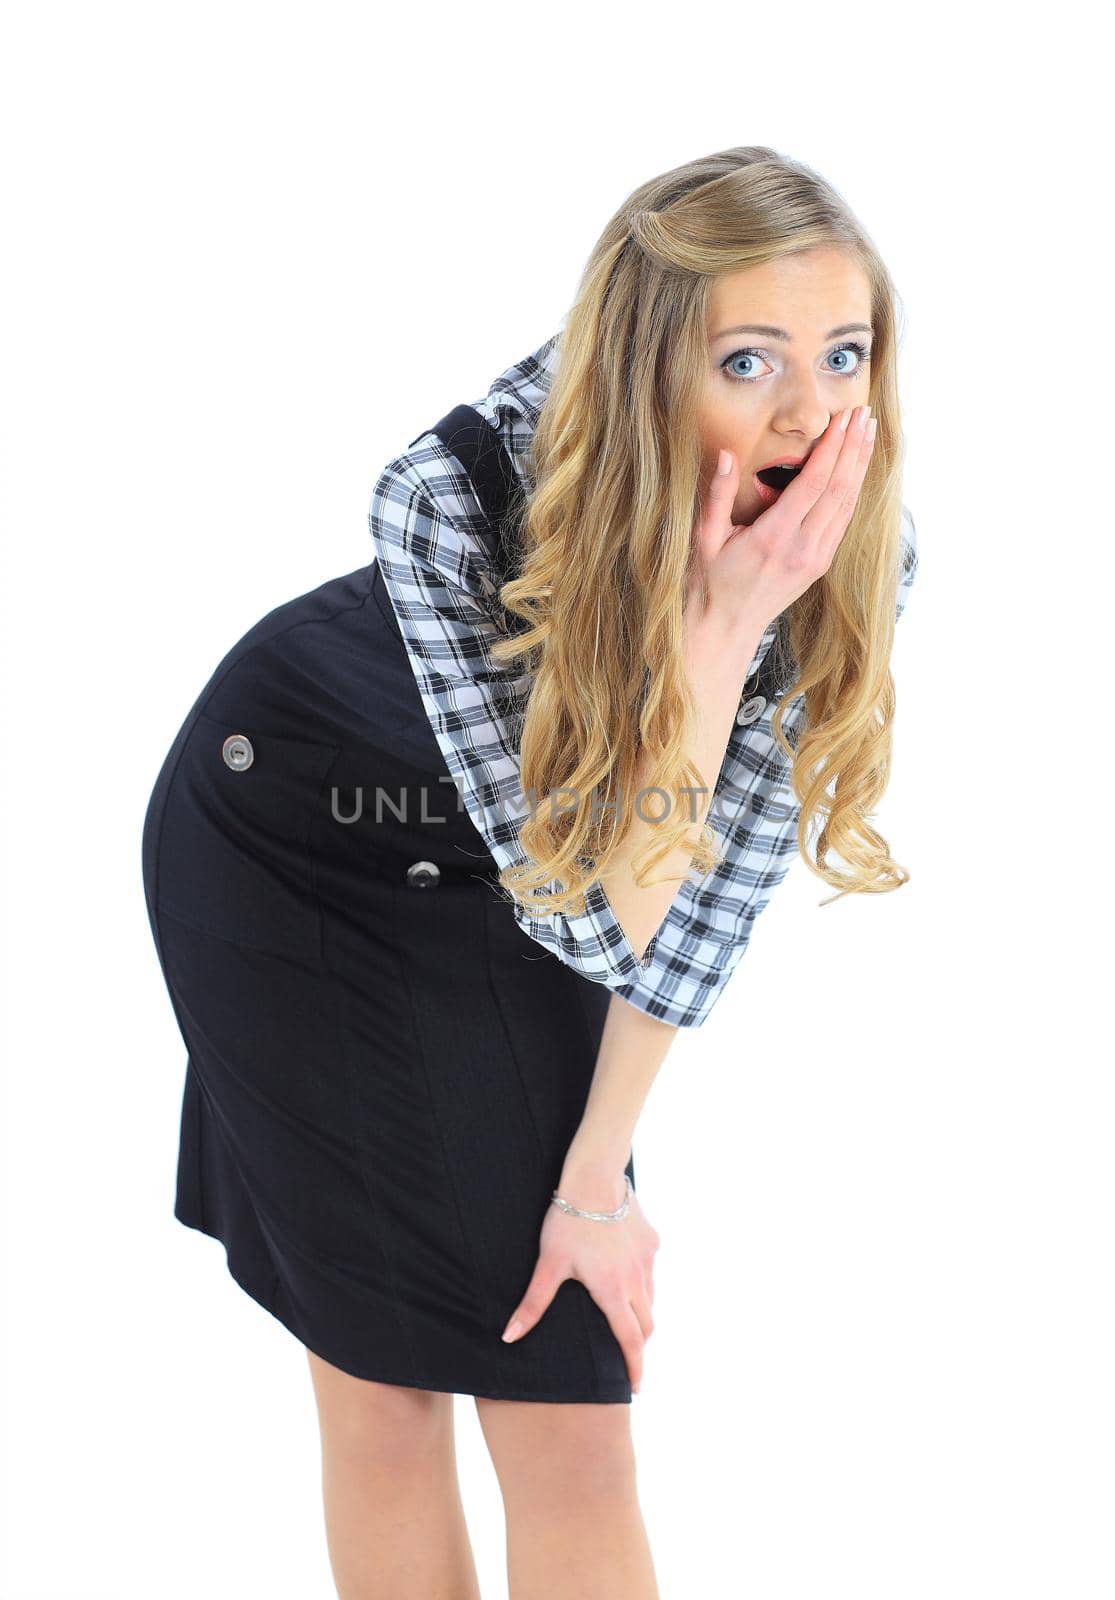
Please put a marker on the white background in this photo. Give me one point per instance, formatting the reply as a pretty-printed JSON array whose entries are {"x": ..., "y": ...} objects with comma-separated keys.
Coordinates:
[{"x": 250, "y": 252}]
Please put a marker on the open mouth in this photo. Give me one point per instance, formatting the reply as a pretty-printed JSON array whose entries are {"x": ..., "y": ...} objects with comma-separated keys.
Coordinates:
[
  {"x": 771, "y": 481},
  {"x": 777, "y": 477}
]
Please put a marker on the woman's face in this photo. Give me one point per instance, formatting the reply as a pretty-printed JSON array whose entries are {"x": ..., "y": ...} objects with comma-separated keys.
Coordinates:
[{"x": 789, "y": 343}]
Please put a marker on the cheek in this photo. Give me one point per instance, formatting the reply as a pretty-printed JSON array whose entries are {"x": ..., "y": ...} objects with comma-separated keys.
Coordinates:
[
  {"x": 727, "y": 424},
  {"x": 743, "y": 444}
]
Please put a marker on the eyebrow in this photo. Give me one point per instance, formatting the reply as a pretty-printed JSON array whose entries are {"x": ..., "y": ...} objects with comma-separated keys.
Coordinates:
[{"x": 780, "y": 333}]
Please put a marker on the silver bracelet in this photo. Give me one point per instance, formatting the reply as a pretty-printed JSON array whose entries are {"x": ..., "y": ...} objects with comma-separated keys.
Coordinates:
[{"x": 598, "y": 1216}]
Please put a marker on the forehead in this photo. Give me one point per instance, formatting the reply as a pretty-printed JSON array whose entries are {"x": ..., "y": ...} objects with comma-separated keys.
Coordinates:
[{"x": 797, "y": 292}]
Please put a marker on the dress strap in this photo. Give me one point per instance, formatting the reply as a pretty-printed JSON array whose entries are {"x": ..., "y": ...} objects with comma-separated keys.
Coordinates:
[{"x": 481, "y": 451}]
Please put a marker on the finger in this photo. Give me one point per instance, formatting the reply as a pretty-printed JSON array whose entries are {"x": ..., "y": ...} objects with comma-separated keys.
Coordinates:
[
  {"x": 545, "y": 1281},
  {"x": 641, "y": 1308},
  {"x": 838, "y": 503},
  {"x": 807, "y": 486},
  {"x": 714, "y": 527},
  {"x": 629, "y": 1334},
  {"x": 837, "y": 449},
  {"x": 851, "y": 441}
]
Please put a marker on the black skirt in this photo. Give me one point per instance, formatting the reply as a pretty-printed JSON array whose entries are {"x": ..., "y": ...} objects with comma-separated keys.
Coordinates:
[{"x": 384, "y": 1072}]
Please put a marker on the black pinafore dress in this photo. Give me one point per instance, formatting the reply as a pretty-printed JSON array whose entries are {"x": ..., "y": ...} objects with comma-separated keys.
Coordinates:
[{"x": 384, "y": 1072}]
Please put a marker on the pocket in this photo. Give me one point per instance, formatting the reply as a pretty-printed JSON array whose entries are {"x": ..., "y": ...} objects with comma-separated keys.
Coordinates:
[{"x": 234, "y": 857}]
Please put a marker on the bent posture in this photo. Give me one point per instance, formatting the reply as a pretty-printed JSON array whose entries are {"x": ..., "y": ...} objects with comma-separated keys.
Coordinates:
[{"x": 448, "y": 849}]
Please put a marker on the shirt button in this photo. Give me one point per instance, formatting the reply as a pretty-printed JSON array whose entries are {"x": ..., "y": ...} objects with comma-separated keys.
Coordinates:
[
  {"x": 237, "y": 751},
  {"x": 751, "y": 710},
  {"x": 423, "y": 875}
]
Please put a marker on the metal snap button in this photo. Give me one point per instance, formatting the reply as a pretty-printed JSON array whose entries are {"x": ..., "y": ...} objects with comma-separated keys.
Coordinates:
[
  {"x": 423, "y": 874},
  {"x": 237, "y": 751},
  {"x": 751, "y": 710}
]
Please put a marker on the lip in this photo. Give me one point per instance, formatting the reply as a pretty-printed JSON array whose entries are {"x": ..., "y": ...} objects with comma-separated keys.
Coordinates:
[{"x": 766, "y": 494}]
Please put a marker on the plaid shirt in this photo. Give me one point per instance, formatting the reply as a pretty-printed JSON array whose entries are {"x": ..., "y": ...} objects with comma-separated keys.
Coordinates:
[{"x": 434, "y": 548}]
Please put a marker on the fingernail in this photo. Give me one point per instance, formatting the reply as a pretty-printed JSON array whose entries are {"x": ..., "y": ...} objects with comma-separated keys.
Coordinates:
[
  {"x": 844, "y": 420},
  {"x": 512, "y": 1330},
  {"x": 723, "y": 464},
  {"x": 871, "y": 426}
]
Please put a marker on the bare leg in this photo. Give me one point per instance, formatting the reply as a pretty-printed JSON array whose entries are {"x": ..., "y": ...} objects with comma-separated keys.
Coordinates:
[
  {"x": 394, "y": 1521},
  {"x": 567, "y": 1474}
]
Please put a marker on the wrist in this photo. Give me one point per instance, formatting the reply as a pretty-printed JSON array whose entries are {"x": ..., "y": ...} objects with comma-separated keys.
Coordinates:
[
  {"x": 594, "y": 1183},
  {"x": 720, "y": 643}
]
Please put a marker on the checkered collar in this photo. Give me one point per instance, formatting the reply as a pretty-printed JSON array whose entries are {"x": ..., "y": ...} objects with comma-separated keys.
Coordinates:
[{"x": 523, "y": 387}]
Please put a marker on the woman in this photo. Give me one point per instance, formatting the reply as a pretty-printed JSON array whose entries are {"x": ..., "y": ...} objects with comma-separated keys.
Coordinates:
[{"x": 448, "y": 849}]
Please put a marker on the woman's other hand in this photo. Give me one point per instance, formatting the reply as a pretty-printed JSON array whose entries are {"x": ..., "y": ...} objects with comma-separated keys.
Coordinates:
[{"x": 614, "y": 1261}]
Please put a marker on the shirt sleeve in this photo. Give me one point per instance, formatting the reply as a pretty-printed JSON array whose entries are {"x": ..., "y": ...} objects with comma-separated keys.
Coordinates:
[
  {"x": 909, "y": 562},
  {"x": 438, "y": 577},
  {"x": 707, "y": 928}
]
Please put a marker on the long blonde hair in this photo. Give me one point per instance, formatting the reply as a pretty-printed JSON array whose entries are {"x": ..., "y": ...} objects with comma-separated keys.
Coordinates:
[{"x": 606, "y": 545}]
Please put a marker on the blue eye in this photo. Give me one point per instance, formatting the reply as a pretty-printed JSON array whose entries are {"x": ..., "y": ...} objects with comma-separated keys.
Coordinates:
[
  {"x": 741, "y": 355},
  {"x": 853, "y": 347}
]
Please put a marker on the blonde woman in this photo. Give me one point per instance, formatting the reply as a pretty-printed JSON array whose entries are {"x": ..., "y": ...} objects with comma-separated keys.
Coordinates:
[{"x": 447, "y": 850}]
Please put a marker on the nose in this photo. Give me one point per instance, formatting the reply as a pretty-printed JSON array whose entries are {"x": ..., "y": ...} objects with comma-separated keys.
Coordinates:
[{"x": 805, "y": 409}]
